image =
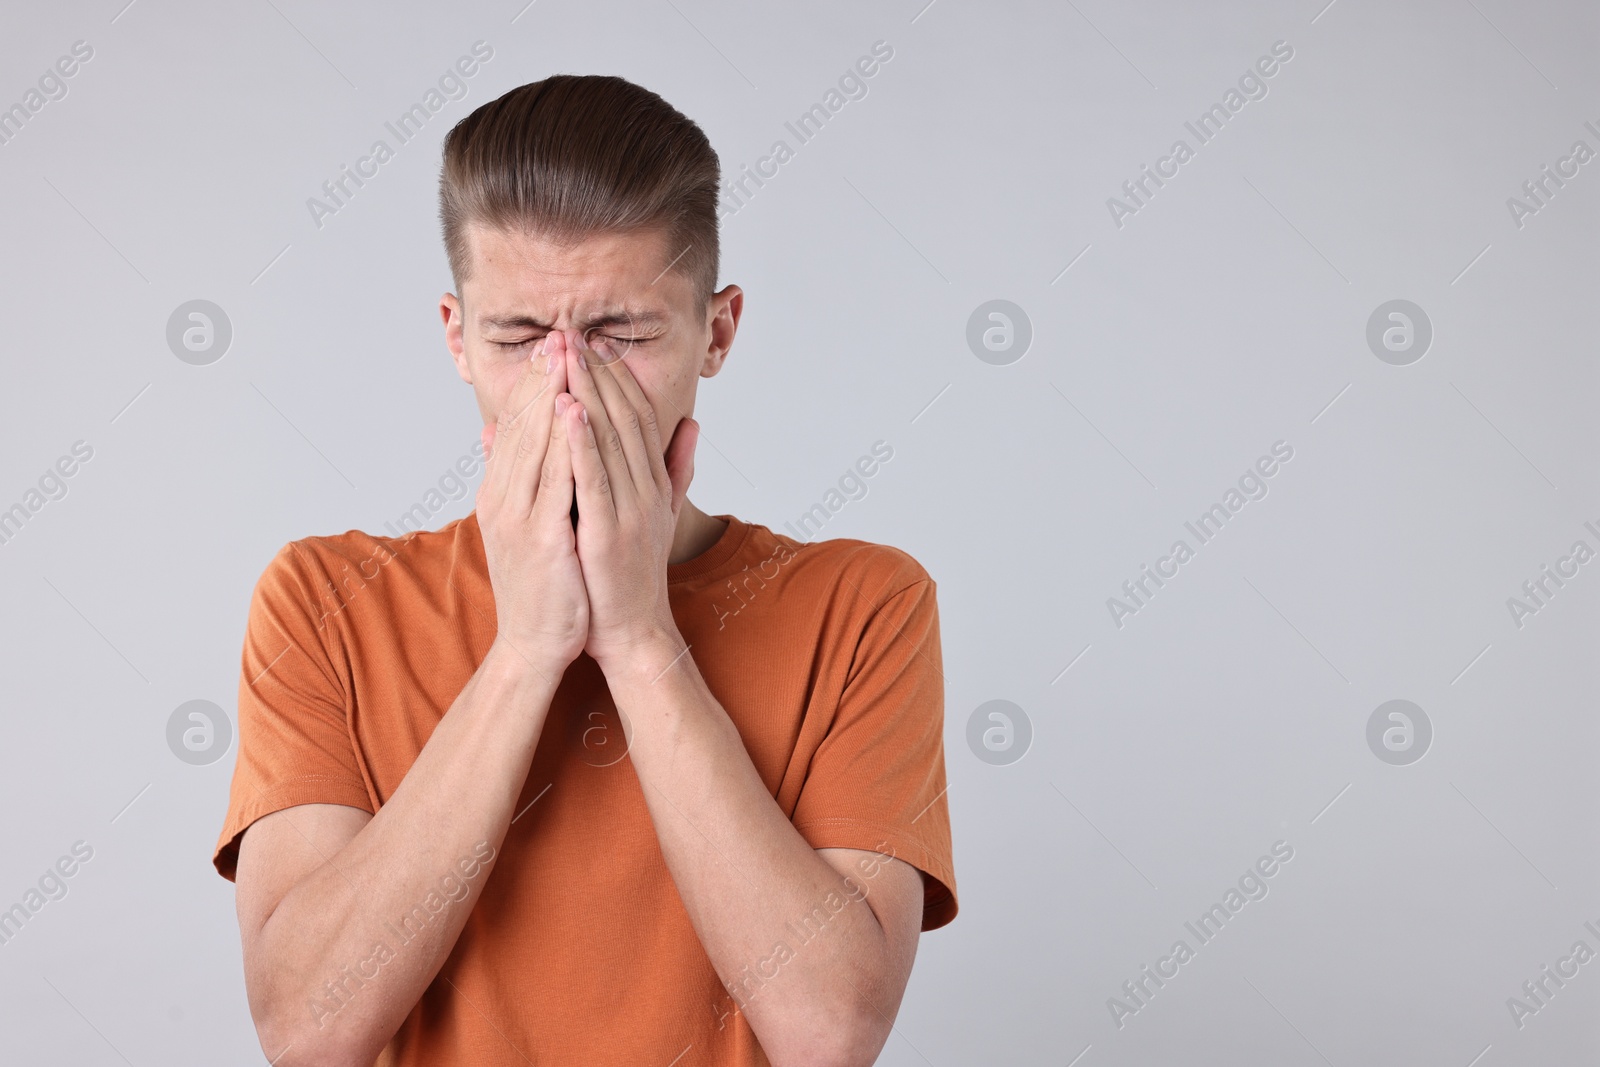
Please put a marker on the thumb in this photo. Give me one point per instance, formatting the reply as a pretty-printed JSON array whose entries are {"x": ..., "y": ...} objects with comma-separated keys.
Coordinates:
[{"x": 680, "y": 459}]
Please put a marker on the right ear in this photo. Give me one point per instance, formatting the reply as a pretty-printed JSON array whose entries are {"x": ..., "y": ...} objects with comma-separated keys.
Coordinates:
[
  {"x": 723, "y": 314},
  {"x": 454, "y": 321}
]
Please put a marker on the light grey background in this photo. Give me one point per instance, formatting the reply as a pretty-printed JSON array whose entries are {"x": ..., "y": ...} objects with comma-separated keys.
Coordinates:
[{"x": 1229, "y": 313}]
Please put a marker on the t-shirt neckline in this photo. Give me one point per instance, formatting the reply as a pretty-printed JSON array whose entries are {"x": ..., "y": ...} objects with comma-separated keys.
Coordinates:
[{"x": 723, "y": 549}]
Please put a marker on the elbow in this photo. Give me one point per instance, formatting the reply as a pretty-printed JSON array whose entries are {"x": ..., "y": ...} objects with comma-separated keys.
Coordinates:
[
  {"x": 291, "y": 1037},
  {"x": 849, "y": 1042},
  {"x": 863, "y": 1049},
  {"x": 306, "y": 1050}
]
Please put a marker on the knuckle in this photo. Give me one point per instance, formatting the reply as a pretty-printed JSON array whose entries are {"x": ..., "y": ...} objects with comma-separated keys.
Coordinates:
[{"x": 526, "y": 444}]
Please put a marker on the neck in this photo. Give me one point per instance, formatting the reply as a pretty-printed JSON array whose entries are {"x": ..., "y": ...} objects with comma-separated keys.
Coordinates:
[{"x": 696, "y": 533}]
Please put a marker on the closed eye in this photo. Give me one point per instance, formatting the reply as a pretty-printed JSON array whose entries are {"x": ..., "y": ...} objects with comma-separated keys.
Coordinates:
[{"x": 617, "y": 340}]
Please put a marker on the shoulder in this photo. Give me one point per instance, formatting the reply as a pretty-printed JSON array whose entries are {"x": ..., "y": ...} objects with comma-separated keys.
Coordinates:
[
  {"x": 878, "y": 572},
  {"x": 330, "y": 555},
  {"x": 330, "y": 567}
]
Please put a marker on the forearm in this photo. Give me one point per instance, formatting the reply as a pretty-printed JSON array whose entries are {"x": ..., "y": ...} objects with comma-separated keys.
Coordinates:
[
  {"x": 747, "y": 877},
  {"x": 350, "y": 949}
]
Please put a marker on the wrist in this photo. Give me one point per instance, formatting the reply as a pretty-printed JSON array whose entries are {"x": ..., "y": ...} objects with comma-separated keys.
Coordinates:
[
  {"x": 522, "y": 666},
  {"x": 643, "y": 656}
]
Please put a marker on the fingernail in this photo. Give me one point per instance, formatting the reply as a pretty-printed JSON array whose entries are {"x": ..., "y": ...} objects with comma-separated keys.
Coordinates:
[
  {"x": 583, "y": 416},
  {"x": 561, "y": 403}
]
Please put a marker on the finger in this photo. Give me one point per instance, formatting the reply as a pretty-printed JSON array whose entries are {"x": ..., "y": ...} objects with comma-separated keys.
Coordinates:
[
  {"x": 511, "y": 423},
  {"x": 608, "y": 433},
  {"x": 553, "y": 502},
  {"x": 624, "y": 414},
  {"x": 487, "y": 486},
  {"x": 679, "y": 461},
  {"x": 494, "y": 468},
  {"x": 589, "y": 470},
  {"x": 533, "y": 440},
  {"x": 650, "y": 428}
]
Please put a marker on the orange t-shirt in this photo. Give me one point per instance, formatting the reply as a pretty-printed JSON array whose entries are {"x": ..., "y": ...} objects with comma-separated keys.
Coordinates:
[{"x": 825, "y": 655}]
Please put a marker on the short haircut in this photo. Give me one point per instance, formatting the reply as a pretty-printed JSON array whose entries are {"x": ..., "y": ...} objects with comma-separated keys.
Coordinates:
[{"x": 572, "y": 156}]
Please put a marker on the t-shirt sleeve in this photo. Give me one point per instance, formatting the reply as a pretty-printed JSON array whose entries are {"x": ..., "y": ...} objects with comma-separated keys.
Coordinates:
[
  {"x": 877, "y": 780},
  {"x": 295, "y": 746}
]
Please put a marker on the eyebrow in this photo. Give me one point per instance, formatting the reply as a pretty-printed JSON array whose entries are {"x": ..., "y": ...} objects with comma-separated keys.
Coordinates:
[{"x": 644, "y": 317}]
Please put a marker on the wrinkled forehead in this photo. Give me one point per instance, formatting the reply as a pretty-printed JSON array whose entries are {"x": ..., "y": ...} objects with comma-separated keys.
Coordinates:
[
  {"x": 631, "y": 317},
  {"x": 592, "y": 281}
]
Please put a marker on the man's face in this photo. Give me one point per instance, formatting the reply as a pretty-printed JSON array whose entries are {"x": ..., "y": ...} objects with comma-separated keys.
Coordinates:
[{"x": 610, "y": 286}]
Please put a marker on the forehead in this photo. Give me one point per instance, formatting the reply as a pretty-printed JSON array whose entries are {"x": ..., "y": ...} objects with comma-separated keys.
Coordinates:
[{"x": 515, "y": 272}]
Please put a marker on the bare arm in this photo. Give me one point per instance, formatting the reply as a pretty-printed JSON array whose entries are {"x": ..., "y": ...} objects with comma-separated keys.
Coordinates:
[
  {"x": 324, "y": 891},
  {"x": 748, "y": 879},
  {"x": 847, "y": 920}
]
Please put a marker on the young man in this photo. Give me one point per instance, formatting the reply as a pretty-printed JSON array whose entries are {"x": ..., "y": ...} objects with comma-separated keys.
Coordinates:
[{"x": 588, "y": 776}]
